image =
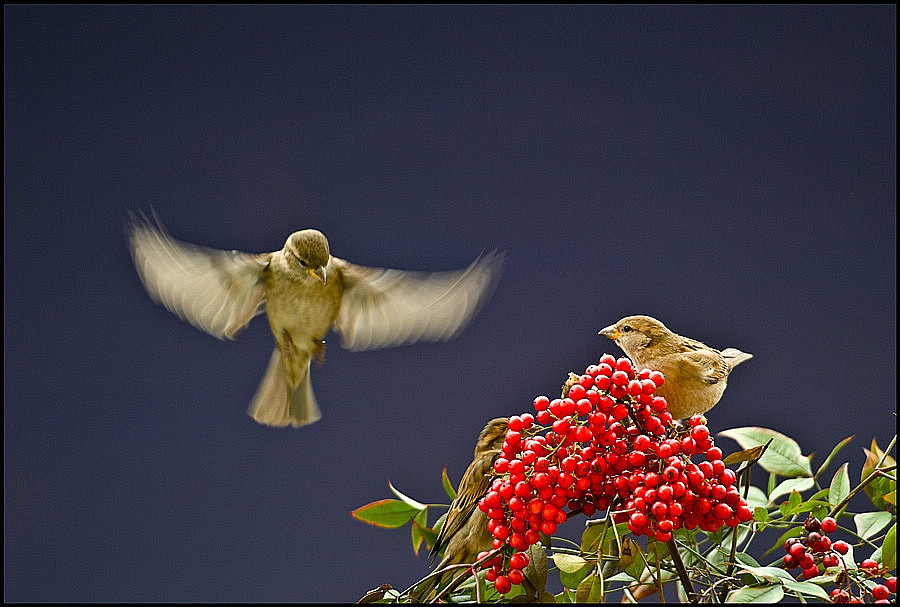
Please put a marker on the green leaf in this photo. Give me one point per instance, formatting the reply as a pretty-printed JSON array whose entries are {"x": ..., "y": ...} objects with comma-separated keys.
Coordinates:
[
  {"x": 569, "y": 563},
  {"x": 448, "y": 486},
  {"x": 882, "y": 491},
  {"x": 590, "y": 539},
  {"x": 406, "y": 499},
  {"x": 868, "y": 524},
  {"x": 572, "y": 569},
  {"x": 387, "y": 513},
  {"x": 831, "y": 455},
  {"x": 889, "y": 549},
  {"x": 756, "y": 594},
  {"x": 807, "y": 588},
  {"x": 840, "y": 486},
  {"x": 590, "y": 590},
  {"x": 768, "y": 574},
  {"x": 632, "y": 559},
  {"x": 536, "y": 570},
  {"x": 760, "y": 514},
  {"x": 791, "y": 484},
  {"x": 783, "y": 455},
  {"x": 421, "y": 532},
  {"x": 756, "y": 497}
]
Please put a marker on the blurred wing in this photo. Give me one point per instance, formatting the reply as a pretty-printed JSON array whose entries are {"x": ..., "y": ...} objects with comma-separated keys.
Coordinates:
[
  {"x": 382, "y": 308},
  {"x": 216, "y": 291}
]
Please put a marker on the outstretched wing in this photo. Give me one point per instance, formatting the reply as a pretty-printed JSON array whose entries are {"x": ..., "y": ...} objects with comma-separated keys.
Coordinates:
[
  {"x": 382, "y": 308},
  {"x": 216, "y": 291}
]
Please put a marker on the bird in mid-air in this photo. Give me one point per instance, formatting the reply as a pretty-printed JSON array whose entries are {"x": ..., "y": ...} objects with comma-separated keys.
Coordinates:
[
  {"x": 696, "y": 375},
  {"x": 305, "y": 292}
]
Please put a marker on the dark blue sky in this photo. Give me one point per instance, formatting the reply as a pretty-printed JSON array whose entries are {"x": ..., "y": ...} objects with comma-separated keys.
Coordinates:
[{"x": 730, "y": 171}]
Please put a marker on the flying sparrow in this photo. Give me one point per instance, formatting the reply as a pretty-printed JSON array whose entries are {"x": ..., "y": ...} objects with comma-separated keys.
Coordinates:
[
  {"x": 305, "y": 292},
  {"x": 696, "y": 375}
]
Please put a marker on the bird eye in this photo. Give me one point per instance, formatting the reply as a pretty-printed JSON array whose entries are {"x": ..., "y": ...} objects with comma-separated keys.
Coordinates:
[
  {"x": 302, "y": 263},
  {"x": 626, "y": 328}
]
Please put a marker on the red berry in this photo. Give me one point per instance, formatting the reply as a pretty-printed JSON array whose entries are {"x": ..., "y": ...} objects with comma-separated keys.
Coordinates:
[
  {"x": 623, "y": 364},
  {"x": 502, "y": 584},
  {"x": 829, "y": 525},
  {"x": 891, "y": 584},
  {"x": 657, "y": 378},
  {"x": 841, "y": 546},
  {"x": 880, "y": 591},
  {"x": 810, "y": 572},
  {"x": 638, "y": 519},
  {"x": 518, "y": 561},
  {"x": 541, "y": 403},
  {"x": 700, "y": 433},
  {"x": 722, "y": 511},
  {"x": 620, "y": 378},
  {"x": 797, "y": 550}
]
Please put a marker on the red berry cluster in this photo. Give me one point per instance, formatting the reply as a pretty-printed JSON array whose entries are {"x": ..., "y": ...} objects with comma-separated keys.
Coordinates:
[
  {"x": 609, "y": 441},
  {"x": 814, "y": 547},
  {"x": 505, "y": 578}
]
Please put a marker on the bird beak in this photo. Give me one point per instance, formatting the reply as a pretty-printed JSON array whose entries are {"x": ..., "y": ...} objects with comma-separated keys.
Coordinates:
[
  {"x": 318, "y": 273},
  {"x": 610, "y": 332}
]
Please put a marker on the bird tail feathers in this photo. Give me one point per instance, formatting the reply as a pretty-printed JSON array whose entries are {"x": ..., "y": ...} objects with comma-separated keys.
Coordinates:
[
  {"x": 735, "y": 356},
  {"x": 276, "y": 404}
]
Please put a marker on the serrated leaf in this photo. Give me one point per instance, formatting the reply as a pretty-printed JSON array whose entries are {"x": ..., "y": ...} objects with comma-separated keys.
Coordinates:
[
  {"x": 868, "y": 524},
  {"x": 791, "y": 484},
  {"x": 783, "y": 455},
  {"x": 406, "y": 499},
  {"x": 756, "y": 594},
  {"x": 831, "y": 455},
  {"x": 387, "y": 513},
  {"x": 448, "y": 486},
  {"x": 840, "y": 486},
  {"x": 889, "y": 549}
]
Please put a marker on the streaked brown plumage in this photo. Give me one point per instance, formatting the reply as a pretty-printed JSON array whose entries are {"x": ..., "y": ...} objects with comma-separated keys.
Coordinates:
[
  {"x": 464, "y": 533},
  {"x": 696, "y": 375},
  {"x": 305, "y": 292}
]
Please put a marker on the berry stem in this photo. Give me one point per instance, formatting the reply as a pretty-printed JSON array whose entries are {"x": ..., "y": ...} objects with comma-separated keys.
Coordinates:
[{"x": 682, "y": 572}]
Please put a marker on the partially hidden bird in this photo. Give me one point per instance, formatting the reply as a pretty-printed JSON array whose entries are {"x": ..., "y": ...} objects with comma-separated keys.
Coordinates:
[
  {"x": 695, "y": 374},
  {"x": 305, "y": 292},
  {"x": 465, "y": 532}
]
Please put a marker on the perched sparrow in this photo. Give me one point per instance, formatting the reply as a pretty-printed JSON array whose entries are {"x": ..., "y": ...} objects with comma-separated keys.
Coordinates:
[
  {"x": 305, "y": 292},
  {"x": 464, "y": 533},
  {"x": 696, "y": 375}
]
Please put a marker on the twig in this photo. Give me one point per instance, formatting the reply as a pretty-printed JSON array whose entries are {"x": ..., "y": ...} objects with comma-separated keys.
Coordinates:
[{"x": 682, "y": 572}]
